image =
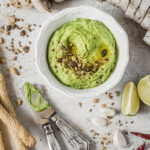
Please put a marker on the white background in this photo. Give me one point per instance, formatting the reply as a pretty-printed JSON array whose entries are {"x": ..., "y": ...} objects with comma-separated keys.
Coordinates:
[{"x": 67, "y": 107}]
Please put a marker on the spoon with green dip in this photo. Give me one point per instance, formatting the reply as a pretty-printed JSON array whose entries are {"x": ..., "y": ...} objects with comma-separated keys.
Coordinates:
[{"x": 43, "y": 114}]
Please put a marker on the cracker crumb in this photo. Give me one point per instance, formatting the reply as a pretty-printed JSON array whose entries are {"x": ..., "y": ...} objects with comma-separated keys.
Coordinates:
[
  {"x": 102, "y": 147},
  {"x": 1, "y": 40},
  {"x": 112, "y": 104},
  {"x": 80, "y": 104},
  {"x": 6, "y": 5},
  {"x": 25, "y": 26},
  {"x": 8, "y": 28},
  {"x": 14, "y": 71},
  {"x": 7, "y": 33},
  {"x": 17, "y": 51},
  {"x": 81, "y": 129},
  {"x": 109, "y": 95},
  {"x": 1, "y": 31},
  {"x": 108, "y": 122},
  {"x": 23, "y": 33},
  {"x": 2, "y": 60},
  {"x": 109, "y": 117},
  {"x": 15, "y": 58},
  {"x": 19, "y": 101},
  {"x": 110, "y": 141},
  {"x": 19, "y": 67},
  {"x": 11, "y": 20},
  {"x": 90, "y": 110},
  {"x": 95, "y": 100},
  {"x": 103, "y": 105},
  {"x": 117, "y": 93},
  {"x": 103, "y": 138},
  {"x": 93, "y": 133},
  {"x": 26, "y": 49}
]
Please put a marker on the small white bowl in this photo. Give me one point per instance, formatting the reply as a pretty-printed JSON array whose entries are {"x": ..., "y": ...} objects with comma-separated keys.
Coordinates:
[{"x": 54, "y": 22}]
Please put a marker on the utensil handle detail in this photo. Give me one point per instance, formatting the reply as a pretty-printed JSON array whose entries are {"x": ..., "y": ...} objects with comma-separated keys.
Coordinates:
[
  {"x": 51, "y": 138},
  {"x": 72, "y": 136}
]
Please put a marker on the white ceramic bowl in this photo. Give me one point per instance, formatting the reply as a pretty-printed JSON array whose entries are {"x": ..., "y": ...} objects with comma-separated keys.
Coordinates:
[{"x": 54, "y": 22}]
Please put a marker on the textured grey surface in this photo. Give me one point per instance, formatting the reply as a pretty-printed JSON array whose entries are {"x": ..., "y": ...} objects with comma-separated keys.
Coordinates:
[{"x": 139, "y": 65}]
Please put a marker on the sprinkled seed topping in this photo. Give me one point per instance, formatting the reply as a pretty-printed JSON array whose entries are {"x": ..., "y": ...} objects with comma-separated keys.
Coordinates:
[
  {"x": 74, "y": 58},
  {"x": 63, "y": 48},
  {"x": 59, "y": 60}
]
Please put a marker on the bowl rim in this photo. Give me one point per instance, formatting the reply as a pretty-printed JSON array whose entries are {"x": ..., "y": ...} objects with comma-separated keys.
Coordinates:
[{"x": 96, "y": 91}]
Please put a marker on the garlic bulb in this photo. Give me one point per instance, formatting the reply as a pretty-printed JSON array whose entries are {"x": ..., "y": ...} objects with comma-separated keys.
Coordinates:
[
  {"x": 98, "y": 121},
  {"x": 107, "y": 112},
  {"x": 119, "y": 139}
]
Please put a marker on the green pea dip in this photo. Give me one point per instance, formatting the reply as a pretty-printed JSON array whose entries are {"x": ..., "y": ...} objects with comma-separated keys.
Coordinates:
[
  {"x": 82, "y": 53},
  {"x": 34, "y": 98}
]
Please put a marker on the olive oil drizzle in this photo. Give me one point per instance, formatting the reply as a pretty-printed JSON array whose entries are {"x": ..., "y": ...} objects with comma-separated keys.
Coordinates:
[{"x": 70, "y": 60}]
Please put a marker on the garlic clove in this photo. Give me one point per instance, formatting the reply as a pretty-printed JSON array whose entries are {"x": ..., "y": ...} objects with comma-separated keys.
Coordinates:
[
  {"x": 98, "y": 121},
  {"x": 119, "y": 139},
  {"x": 107, "y": 112}
]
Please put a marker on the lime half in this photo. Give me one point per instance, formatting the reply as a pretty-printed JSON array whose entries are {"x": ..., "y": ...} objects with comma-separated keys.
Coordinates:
[
  {"x": 144, "y": 89},
  {"x": 130, "y": 100}
]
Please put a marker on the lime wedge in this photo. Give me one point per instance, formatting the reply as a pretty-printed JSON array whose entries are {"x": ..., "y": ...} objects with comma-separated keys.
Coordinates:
[
  {"x": 144, "y": 89},
  {"x": 130, "y": 100}
]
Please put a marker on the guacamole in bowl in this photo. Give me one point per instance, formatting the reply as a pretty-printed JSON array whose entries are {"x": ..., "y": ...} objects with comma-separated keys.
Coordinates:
[{"x": 82, "y": 53}]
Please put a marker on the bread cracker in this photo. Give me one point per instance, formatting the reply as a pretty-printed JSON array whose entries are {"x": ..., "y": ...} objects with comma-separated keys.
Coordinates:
[
  {"x": 42, "y": 5},
  {"x": 132, "y": 8},
  {"x": 147, "y": 37},
  {"x": 146, "y": 21},
  {"x": 141, "y": 12}
]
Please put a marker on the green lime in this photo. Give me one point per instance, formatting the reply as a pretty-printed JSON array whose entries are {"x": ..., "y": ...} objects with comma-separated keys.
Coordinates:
[
  {"x": 130, "y": 100},
  {"x": 144, "y": 89}
]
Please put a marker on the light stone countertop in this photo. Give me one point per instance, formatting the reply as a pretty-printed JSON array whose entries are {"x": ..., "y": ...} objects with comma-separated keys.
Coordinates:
[{"x": 67, "y": 107}]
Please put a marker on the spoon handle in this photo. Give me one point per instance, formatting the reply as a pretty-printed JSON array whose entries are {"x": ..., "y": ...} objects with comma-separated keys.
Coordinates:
[
  {"x": 51, "y": 138},
  {"x": 73, "y": 137}
]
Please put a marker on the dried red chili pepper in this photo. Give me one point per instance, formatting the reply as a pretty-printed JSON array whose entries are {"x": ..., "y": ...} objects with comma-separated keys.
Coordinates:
[
  {"x": 141, "y": 147},
  {"x": 144, "y": 136}
]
